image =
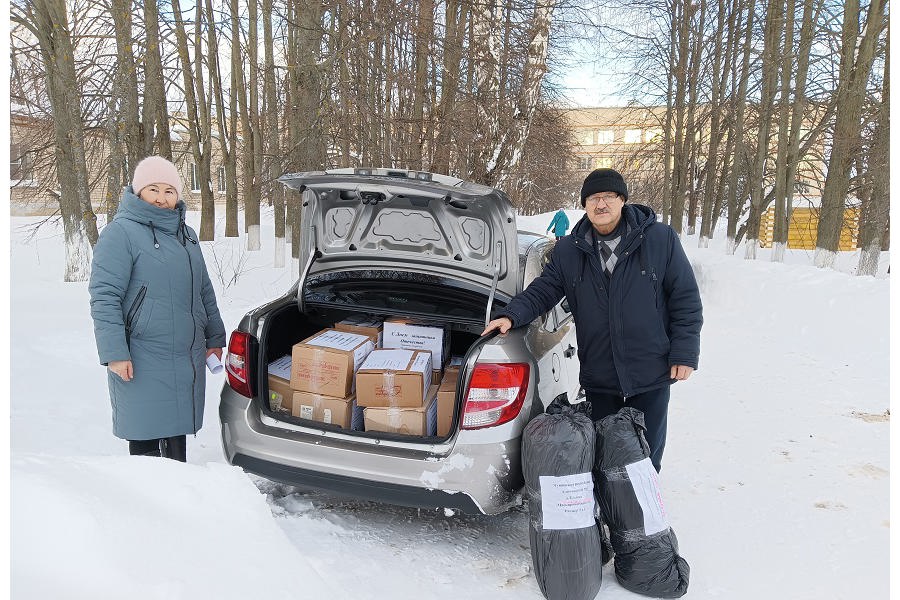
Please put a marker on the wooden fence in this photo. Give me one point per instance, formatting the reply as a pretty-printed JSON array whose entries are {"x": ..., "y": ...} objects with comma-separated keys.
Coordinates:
[{"x": 803, "y": 228}]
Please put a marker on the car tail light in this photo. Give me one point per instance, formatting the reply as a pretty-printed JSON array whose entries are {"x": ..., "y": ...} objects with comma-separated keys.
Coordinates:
[
  {"x": 495, "y": 394},
  {"x": 237, "y": 365}
]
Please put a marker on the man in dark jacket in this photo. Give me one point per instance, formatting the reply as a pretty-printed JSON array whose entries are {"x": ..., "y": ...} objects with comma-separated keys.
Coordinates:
[{"x": 634, "y": 299}]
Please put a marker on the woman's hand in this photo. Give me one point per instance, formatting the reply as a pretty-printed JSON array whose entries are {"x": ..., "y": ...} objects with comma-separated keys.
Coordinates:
[
  {"x": 123, "y": 368},
  {"x": 216, "y": 351}
]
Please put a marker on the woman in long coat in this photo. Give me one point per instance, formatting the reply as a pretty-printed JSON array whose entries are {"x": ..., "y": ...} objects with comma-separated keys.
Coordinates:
[{"x": 155, "y": 314}]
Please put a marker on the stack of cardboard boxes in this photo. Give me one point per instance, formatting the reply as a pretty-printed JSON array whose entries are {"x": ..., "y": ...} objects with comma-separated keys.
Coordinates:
[
  {"x": 394, "y": 386},
  {"x": 322, "y": 376},
  {"x": 446, "y": 400},
  {"x": 368, "y": 374}
]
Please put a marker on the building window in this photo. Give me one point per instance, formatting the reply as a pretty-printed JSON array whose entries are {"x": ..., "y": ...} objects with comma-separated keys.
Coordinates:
[
  {"x": 585, "y": 163},
  {"x": 654, "y": 134},
  {"x": 19, "y": 164},
  {"x": 221, "y": 179},
  {"x": 195, "y": 178},
  {"x": 605, "y": 136},
  {"x": 586, "y": 138},
  {"x": 633, "y": 136},
  {"x": 605, "y": 162}
]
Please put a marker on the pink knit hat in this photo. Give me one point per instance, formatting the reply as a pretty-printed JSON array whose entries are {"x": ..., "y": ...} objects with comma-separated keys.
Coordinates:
[{"x": 155, "y": 169}]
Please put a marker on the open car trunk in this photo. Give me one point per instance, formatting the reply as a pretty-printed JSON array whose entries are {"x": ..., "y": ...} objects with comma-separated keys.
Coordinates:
[
  {"x": 388, "y": 243},
  {"x": 286, "y": 326}
]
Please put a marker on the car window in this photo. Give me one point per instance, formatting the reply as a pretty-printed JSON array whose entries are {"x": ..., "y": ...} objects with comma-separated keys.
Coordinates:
[
  {"x": 537, "y": 258},
  {"x": 561, "y": 311}
]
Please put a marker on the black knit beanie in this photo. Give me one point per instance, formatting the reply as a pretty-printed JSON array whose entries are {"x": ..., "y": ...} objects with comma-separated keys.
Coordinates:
[{"x": 603, "y": 180}]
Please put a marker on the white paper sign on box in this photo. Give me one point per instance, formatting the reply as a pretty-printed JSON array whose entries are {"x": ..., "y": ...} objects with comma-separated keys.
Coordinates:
[
  {"x": 388, "y": 360},
  {"x": 416, "y": 337},
  {"x": 281, "y": 367},
  {"x": 339, "y": 340}
]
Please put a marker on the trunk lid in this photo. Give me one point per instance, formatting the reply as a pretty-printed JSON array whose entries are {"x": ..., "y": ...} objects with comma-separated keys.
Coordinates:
[{"x": 408, "y": 221}]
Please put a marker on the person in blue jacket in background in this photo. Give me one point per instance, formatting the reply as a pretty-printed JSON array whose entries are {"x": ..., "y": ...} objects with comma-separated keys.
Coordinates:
[
  {"x": 635, "y": 303},
  {"x": 559, "y": 225},
  {"x": 155, "y": 315}
]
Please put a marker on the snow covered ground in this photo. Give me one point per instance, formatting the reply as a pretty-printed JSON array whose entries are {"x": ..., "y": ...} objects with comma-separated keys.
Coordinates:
[{"x": 776, "y": 473}]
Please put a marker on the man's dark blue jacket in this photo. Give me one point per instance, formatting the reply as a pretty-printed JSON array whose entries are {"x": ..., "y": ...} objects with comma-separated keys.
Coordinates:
[{"x": 632, "y": 327}]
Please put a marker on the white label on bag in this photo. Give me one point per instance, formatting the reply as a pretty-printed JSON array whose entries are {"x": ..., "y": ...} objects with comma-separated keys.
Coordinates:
[
  {"x": 567, "y": 502},
  {"x": 645, "y": 481}
]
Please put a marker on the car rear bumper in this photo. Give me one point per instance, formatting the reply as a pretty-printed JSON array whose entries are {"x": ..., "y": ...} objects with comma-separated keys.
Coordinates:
[
  {"x": 359, "y": 489},
  {"x": 473, "y": 473}
]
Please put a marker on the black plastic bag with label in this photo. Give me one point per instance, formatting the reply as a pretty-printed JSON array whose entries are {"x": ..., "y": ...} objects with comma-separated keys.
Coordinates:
[
  {"x": 557, "y": 458},
  {"x": 646, "y": 549}
]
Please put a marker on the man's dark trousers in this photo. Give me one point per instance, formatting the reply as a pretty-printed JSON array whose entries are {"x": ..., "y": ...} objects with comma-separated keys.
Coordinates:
[{"x": 655, "y": 406}]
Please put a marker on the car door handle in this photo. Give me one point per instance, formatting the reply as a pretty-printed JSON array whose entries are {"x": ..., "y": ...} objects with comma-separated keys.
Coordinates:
[{"x": 569, "y": 352}]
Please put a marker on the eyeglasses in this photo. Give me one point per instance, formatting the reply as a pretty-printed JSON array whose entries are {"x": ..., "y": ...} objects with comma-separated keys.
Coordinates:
[{"x": 605, "y": 198}]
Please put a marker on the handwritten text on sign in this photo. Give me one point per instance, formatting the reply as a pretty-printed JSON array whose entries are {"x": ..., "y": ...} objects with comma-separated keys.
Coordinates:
[{"x": 567, "y": 502}]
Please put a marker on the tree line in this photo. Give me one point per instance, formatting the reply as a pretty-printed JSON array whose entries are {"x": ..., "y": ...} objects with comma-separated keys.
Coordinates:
[
  {"x": 756, "y": 92},
  {"x": 751, "y": 91},
  {"x": 276, "y": 86}
]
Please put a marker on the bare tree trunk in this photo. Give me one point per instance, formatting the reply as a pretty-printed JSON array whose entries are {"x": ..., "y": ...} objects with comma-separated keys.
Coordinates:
[
  {"x": 423, "y": 38},
  {"x": 857, "y": 56},
  {"x": 668, "y": 140},
  {"x": 48, "y": 22},
  {"x": 719, "y": 79},
  {"x": 484, "y": 54},
  {"x": 774, "y": 24},
  {"x": 204, "y": 125},
  {"x": 128, "y": 114},
  {"x": 231, "y": 191},
  {"x": 250, "y": 125},
  {"x": 116, "y": 154},
  {"x": 874, "y": 227},
  {"x": 735, "y": 200},
  {"x": 780, "y": 234},
  {"x": 271, "y": 126},
  {"x": 199, "y": 133},
  {"x": 225, "y": 124},
  {"x": 691, "y": 149},
  {"x": 155, "y": 88},
  {"x": 811, "y": 10},
  {"x": 680, "y": 156},
  {"x": 511, "y": 152},
  {"x": 308, "y": 142},
  {"x": 455, "y": 18}
]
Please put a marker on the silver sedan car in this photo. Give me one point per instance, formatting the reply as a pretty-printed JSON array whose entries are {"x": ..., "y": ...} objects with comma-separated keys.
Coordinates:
[{"x": 386, "y": 243}]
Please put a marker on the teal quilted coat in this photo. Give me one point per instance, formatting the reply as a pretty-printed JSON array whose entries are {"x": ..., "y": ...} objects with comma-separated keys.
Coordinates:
[{"x": 153, "y": 303}]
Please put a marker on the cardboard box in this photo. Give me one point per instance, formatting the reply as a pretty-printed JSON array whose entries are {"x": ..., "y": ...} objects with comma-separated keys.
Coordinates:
[
  {"x": 371, "y": 327},
  {"x": 412, "y": 335},
  {"x": 399, "y": 378},
  {"x": 343, "y": 412},
  {"x": 280, "y": 392},
  {"x": 446, "y": 400},
  {"x": 325, "y": 362},
  {"x": 410, "y": 421}
]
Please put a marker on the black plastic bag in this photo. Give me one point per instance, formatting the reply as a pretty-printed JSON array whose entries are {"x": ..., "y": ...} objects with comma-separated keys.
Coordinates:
[
  {"x": 646, "y": 559},
  {"x": 564, "y": 535}
]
